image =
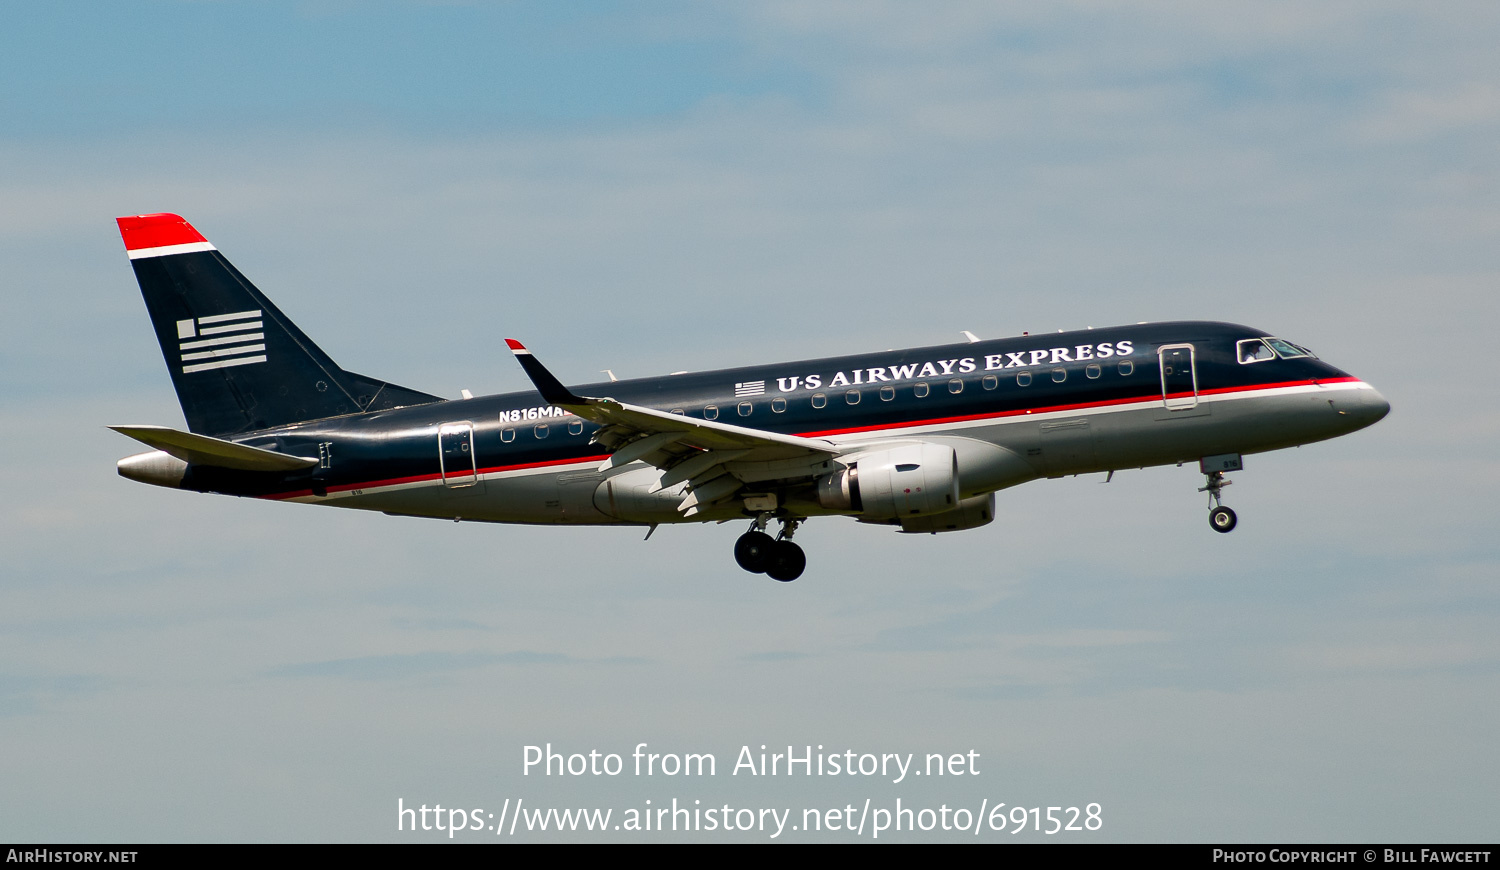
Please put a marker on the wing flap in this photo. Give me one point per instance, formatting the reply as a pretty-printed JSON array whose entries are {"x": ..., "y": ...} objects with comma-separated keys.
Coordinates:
[
  {"x": 696, "y": 467},
  {"x": 640, "y": 449},
  {"x": 704, "y": 494}
]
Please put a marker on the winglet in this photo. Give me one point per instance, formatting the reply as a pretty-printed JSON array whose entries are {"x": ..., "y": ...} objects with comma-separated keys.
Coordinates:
[{"x": 552, "y": 390}]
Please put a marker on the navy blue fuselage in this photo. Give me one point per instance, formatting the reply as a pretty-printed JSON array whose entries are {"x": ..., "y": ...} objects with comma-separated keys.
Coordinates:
[{"x": 963, "y": 382}]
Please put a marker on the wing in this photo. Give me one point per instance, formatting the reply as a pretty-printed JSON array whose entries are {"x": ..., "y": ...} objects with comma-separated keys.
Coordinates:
[{"x": 717, "y": 460}]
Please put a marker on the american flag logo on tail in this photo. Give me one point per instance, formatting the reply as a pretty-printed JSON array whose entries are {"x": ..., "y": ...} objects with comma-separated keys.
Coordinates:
[{"x": 221, "y": 340}]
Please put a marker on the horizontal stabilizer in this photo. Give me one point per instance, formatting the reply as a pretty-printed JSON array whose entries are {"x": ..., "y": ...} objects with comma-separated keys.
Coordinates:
[{"x": 203, "y": 450}]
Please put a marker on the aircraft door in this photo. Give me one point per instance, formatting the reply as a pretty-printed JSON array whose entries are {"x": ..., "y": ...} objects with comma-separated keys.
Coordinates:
[
  {"x": 1179, "y": 377},
  {"x": 456, "y": 453}
]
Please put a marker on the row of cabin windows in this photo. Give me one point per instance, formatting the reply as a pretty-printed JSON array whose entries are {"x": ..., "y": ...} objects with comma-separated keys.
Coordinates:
[
  {"x": 540, "y": 430},
  {"x": 920, "y": 389}
]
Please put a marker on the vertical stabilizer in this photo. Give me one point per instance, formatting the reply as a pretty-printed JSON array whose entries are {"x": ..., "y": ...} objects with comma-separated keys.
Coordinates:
[{"x": 237, "y": 362}]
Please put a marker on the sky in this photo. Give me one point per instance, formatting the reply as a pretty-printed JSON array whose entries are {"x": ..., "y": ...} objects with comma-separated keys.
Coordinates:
[{"x": 654, "y": 187}]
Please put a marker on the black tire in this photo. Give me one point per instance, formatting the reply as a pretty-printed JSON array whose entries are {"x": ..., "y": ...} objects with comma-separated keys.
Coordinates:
[
  {"x": 787, "y": 562},
  {"x": 753, "y": 550},
  {"x": 1222, "y": 519}
]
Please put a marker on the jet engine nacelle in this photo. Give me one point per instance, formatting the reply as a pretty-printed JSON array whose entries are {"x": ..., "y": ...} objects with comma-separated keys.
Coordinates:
[
  {"x": 971, "y": 513},
  {"x": 895, "y": 483}
]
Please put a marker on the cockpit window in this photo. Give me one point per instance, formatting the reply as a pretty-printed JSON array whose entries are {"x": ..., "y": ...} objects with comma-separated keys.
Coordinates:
[
  {"x": 1286, "y": 350},
  {"x": 1253, "y": 350}
]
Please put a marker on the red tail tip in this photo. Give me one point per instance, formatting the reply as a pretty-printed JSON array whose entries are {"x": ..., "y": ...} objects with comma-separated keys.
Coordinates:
[
  {"x": 156, "y": 231},
  {"x": 514, "y": 345}
]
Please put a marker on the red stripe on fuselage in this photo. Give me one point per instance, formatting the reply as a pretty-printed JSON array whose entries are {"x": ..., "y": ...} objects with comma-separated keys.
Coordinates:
[
  {"x": 990, "y": 415},
  {"x": 1047, "y": 409},
  {"x": 1314, "y": 382},
  {"x": 418, "y": 478}
]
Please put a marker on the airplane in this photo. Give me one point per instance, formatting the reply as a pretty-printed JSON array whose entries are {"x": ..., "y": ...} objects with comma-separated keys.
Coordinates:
[{"x": 918, "y": 439}]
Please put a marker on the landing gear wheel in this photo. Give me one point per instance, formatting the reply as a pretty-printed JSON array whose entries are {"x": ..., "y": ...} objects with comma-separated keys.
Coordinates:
[
  {"x": 1222, "y": 519},
  {"x": 786, "y": 562},
  {"x": 753, "y": 550}
]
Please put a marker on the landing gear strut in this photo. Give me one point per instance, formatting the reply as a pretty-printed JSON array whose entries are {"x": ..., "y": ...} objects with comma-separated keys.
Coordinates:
[
  {"x": 1220, "y": 518},
  {"x": 777, "y": 558}
]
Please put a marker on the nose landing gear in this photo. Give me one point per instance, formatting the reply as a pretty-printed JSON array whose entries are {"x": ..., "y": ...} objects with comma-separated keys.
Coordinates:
[
  {"x": 1220, "y": 518},
  {"x": 777, "y": 558}
]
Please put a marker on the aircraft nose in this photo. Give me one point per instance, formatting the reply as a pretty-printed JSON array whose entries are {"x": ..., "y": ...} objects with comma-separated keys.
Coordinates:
[{"x": 1375, "y": 405}]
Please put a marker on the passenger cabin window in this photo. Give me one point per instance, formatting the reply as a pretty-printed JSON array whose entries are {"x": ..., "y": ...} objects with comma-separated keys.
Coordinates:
[
  {"x": 1287, "y": 350},
  {"x": 920, "y": 390},
  {"x": 679, "y": 412},
  {"x": 990, "y": 382},
  {"x": 887, "y": 393},
  {"x": 1093, "y": 371},
  {"x": 543, "y": 430},
  {"x": 956, "y": 386},
  {"x": 1126, "y": 367},
  {"x": 507, "y": 435},
  {"x": 1253, "y": 350},
  {"x": 819, "y": 400},
  {"x": 575, "y": 427},
  {"x": 852, "y": 397},
  {"x": 1023, "y": 379},
  {"x": 1059, "y": 375},
  {"x": 778, "y": 405},
  {"x": 746, "y": 408},
  {"x": 710, "y": 412}
]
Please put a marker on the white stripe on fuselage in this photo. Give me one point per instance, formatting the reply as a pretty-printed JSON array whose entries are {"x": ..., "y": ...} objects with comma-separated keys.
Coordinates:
[
  {"x": 872, "y": 435},
  {"x": 1087, "y": 411},
  {"x": 591, "y": 464}
]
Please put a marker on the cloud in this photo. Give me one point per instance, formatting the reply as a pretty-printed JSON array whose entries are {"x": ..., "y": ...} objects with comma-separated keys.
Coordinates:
[
  {"x": 385, "y": 667},
  {"x": 31, "y": 694}
]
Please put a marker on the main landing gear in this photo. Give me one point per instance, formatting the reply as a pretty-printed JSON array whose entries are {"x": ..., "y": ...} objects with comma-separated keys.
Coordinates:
[
  {"x": 777, "y": 558},
  {"x": 1221, "y": 518}
]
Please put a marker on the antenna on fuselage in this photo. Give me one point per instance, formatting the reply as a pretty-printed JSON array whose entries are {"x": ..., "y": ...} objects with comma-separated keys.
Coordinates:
[
  {"x": 973, "y": 339},
  {"x": 611, "y": 374}
]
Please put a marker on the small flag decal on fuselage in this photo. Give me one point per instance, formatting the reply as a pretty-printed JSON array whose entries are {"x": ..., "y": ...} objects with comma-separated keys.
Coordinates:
[
  {"x": 749, "y": 388},
  {"x": 221, "y": 340}
]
